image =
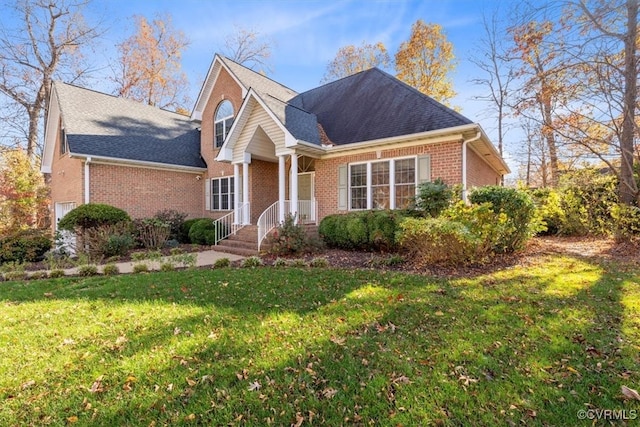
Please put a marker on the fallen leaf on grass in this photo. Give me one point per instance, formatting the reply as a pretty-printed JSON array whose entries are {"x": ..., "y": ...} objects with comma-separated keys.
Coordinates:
[
  {"x": 299, "y": 420},
  {"x": 72, "y": 419},
  {"x": 97, "y": 387},
  {"x": 254, "y": 386},
  {"x": 28, "y": 384},
  {"x": 329, "y": 392},
  {"x": 630, "y": 393}
]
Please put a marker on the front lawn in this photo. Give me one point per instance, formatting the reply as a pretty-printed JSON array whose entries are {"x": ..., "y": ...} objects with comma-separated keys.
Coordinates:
[{"x": 529, "y": 345}]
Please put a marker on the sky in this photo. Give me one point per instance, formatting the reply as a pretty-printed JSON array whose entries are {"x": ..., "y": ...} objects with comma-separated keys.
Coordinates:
[{"x": 306, "y": 34}]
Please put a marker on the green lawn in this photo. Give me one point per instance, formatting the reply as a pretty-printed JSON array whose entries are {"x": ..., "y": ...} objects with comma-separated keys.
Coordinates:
[{"x": 526, "y": 346}]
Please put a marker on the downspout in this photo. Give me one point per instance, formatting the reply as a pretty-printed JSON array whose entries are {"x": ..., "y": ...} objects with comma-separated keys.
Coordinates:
[
  {"x": 464, "y": 163},
  {"x": 86, "y": 180}
]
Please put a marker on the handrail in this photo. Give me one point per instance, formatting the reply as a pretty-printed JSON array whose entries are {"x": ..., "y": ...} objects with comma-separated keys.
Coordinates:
[
  {"x": 268, "y": 220},
  {"x": 226, "y": 225}
]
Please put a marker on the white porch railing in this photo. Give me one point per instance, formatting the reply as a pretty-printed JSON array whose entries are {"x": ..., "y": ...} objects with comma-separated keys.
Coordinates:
[
  {"x": 230, "y": 223},
  {"x": 270, "y": 218}
]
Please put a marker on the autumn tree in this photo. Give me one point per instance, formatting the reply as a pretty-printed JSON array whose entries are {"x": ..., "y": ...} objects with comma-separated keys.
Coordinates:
[
  {"x": 44, "y": 40},
  {"x": 149, "y": 68},
  {"x": 426, "y": 60},
  {"x": 353, "y": 59},
  {"x": 23, "y": 195},
  {"x": 247, "y": 47}
]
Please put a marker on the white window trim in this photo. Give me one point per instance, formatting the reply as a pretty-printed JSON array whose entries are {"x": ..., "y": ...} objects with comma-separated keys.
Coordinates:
[
  {"x": 392, "y": 170},
  {"x": 219, "y": 195}
]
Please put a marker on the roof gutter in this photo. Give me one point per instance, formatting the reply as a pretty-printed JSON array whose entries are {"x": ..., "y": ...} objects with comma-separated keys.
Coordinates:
[
  {"x": 125, "y": 162},
  {"x": 465, "y": 143}
]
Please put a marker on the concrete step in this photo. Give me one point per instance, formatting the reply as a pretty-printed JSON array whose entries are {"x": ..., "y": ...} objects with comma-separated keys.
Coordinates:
[{"x": 236, "y": 251}]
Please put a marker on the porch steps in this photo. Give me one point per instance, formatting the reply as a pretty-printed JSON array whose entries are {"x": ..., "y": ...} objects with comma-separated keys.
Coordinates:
[{"x": 245, "y": 241}]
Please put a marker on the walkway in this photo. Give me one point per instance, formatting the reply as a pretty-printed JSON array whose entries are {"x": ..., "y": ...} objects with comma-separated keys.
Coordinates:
[{"x": 204, "y": 258}]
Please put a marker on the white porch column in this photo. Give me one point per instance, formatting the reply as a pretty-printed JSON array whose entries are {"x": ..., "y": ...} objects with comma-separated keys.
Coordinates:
[
  {"x": 245, "y": 191},
  {"x": 282, "y": 174},
  {"x": 293, "y": 188},
  {"x": 236, "y": 196}
]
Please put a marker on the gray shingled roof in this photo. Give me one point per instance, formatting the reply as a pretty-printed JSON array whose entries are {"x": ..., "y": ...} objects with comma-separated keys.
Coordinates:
[
  {"x": 258, "y": 82},
  {"x": 97, "y": 124},
  {"x": 372, "y": 105}
]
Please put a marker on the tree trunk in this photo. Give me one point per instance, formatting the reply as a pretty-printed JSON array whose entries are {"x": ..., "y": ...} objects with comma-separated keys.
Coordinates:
[{"x": 627, "y": 187}]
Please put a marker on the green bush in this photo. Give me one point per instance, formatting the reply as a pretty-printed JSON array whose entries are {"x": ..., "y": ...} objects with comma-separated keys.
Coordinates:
[
  {"x": 107, "y": 240},
  {"x": 222, "y": 263},
  {"x": 110, "y": 270},
  {"x": 587, "y": 197},
  {"x": 174, "y": 219},
  {"x": 548, "y": 214},
  {"x": 92, "y": 215},
  {"x": 434, "y": 197},
  {"x": 519, "y": 210},
  {"x": 203, "y": 232},
  {"x": 626, "y": 222},
  {"x": 439, "y": 241},
  {"x": 87, "y": 270},
  {"x": 24, "y": 246},
  {"x": 365, "y": 230},
  {"x": 185, "y": 227}
]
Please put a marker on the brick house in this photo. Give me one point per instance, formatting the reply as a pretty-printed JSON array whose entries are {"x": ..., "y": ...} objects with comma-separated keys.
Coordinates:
[{"x": 253, "y": 149}]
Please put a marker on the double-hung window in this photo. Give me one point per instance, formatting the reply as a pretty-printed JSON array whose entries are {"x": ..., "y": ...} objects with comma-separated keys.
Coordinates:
[
  {"x": 222, "y": 194},
  {"x": 386, "y": 184}
]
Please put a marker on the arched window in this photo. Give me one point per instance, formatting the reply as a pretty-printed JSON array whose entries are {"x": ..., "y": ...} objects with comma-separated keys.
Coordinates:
[{"x": 222, "y": 122}]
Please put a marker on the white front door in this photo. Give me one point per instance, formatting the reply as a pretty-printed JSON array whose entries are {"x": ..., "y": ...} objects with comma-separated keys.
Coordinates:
[{"x": 306, "y": 199}]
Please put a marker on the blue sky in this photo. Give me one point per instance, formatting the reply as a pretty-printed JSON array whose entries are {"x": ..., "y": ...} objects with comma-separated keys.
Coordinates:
[{"x": 307, "y": 34}]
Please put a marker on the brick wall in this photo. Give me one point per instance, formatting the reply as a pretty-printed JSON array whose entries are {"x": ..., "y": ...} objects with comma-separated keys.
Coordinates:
[
  {"x": 446, "y": 163},
  {"x": 142, "y": 192},
  {"x": 67, "y": 180},
  {"x": 263, "y": 187},
  {"x": 479, "y": 173},
  {"x": 226, "y": 88}
]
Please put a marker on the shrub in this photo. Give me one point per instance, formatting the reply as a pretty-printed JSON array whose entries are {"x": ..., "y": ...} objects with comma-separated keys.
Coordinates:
[
  {"x": 288, "y": 238},
  {"x": 152, "y": 233},
  {"x": 548, "y": 214},
  {"x": 434, "y": 197},
  {"x": 15, "y": 275},
  {"x": 298, "y": 263},
  {"x": 87, "y": 270},
  {"x": 252, "y": 261},
  {"x": 439, "y": 241},
  {"x": 626, "y": 222},
  {"x": 174, "y": 219},
  {"x": 167, "y": 266},
  {"x": 110, "y": 270},
  {"x": 140, "y": 268},
  {"x": 24, "y": 246},
  {"x": 107, "y": 240},
  {"x": 319, "y": 262},
  {"x": 92, "y": 215},
  {"x": 367, "y": 230},
  {"x": 203, "y": 232},
  {"x": 222, "y": 263},
  {"x": 36, "y": 275},
  {"x": 183, "y": 236},
  {"x": 280, "y": 262},
  {"x": 55, "y": 273},
  {"x": 587, "y": 198},
  {"x": 519, "y": 210}
]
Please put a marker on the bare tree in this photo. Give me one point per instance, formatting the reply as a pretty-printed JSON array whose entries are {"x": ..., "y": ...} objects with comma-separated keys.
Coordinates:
[
  {"x": 493, "y": 61},
  {"x": 245, "y": 46},
  {"x": 47, "y": 42}
]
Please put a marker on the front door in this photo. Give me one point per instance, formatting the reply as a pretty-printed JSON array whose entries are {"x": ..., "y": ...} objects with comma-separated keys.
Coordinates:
[{"x": 306, "y": 199}]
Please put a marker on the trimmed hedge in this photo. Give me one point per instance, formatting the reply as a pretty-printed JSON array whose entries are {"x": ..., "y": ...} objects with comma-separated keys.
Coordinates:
[
  {"x": 92, "y": 215},
  {"x": 25, "y": 246},
  {"x": 203, "y": 232},
  {"x": 365, "y": 230},
  {"x": 185, "y": 227}
]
